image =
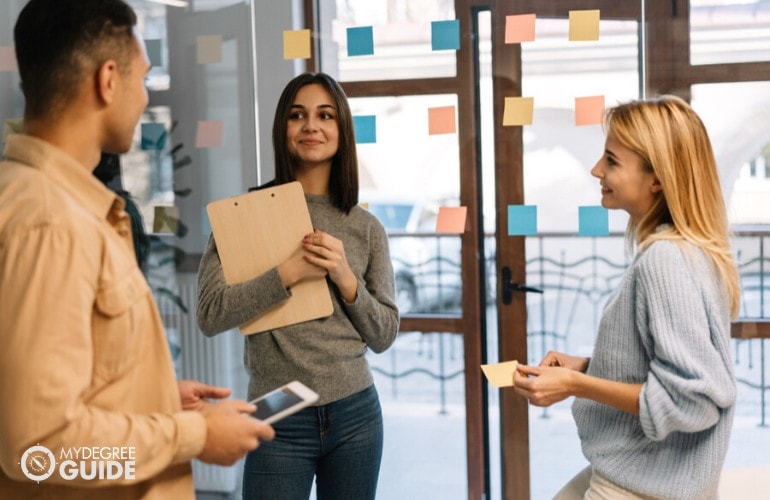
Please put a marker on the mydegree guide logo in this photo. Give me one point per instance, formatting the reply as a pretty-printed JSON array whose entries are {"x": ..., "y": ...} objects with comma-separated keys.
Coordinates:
[{"x": 38, "y": 463}]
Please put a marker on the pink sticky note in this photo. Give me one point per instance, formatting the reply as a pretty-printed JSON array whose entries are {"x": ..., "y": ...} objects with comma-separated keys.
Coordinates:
[
  {"x": 520, "y": 28},
  {"x": 442, "y": 120},
  {"x": 8, "y": 59},
  {"x": 589, "y": 110},
  {"x": 209, "y": 134},
  {"x": 451, "y": 220}
]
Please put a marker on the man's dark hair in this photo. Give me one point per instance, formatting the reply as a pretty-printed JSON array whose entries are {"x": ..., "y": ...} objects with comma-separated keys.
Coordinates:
[
  {"x": 343, "y": 181},
  {"x": 59, "y": 42}
]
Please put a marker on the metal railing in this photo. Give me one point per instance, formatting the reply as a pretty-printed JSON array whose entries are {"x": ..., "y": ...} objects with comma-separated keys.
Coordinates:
[{"x": 577, "y": 275}]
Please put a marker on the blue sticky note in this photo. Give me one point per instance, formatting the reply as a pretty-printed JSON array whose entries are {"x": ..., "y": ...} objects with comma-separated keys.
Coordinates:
[
  {"x": 360, "y": 41},
  {"x": 522, "y": 220},
  {"x": 153, "y": 136},
  {"x": 593, "y": 221},
  {"x": 365, "y": 127},
  {"x": 445, "y": 35},
  {"x": 153, "y": 48}
]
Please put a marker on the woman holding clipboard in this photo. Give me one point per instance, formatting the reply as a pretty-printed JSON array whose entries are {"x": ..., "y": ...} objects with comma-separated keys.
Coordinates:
[{"x": 339, "y": 442}]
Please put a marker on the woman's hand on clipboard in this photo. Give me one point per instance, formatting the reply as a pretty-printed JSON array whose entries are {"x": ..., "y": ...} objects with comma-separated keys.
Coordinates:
[
  {"x": 297, "y": 268},
  {"x": 327, "y": 252}
]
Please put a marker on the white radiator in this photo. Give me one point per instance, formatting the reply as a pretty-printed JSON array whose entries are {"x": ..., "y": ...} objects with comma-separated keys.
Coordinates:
[{"x": 216, "y": 361}]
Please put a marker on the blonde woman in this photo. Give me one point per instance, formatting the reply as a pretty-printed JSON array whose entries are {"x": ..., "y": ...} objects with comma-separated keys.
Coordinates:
[{"x": 654, "y": 404}]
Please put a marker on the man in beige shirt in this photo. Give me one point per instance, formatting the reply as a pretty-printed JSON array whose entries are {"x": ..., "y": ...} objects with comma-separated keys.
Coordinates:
[{"x": 89, "y": 406}]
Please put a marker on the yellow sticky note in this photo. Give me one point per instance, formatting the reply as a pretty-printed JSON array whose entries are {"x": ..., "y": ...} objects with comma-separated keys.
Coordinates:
[
  {"x": 583, "y": 25},
  {"x": 441, "y": 120},
  {"x": 296, "y": 44},
  {"x": 500, "y": 374},
  {"x": 166, "y": 220},
  {"x": 520, "y": 28},
  {"x": 451, "y": 220},
  {"x": 589, "y": 110},
  {"x": 209, "y": 49},
  {"x": 12, "y": 126},
  {"x": 518, "y": 111}
]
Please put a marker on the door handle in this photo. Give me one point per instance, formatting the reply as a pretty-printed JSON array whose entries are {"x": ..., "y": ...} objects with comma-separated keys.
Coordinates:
[{"x": 509, "y": 287}]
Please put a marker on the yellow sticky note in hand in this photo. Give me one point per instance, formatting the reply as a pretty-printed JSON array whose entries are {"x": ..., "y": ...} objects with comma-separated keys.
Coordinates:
[{"x": 501, "y": 374}]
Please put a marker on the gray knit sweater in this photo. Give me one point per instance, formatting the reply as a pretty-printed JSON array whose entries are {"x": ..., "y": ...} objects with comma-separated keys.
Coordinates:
[
  {"x": 667, "y": 326},
  {"x": 326, "y": 354}
]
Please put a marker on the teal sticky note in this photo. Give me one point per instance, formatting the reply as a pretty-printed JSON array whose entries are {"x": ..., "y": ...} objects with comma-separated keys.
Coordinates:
[
  {"x": 522, "y": 220},
  {"x": 445, "y": 35},
  {"x": 365, "y": 127},
  {"x": 154, "y": 54},
  {"x": 153, "y": 136},
  {"x": 593, "y": 221},
  {"x": 360, "y": 41}
]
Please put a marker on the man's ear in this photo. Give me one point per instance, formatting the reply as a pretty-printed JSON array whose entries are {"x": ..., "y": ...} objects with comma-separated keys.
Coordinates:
[{"x": 107, "y": 81}]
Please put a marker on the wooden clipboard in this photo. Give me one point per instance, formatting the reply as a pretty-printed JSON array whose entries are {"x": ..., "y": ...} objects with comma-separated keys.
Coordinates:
[{"x": 257, "y": 231}]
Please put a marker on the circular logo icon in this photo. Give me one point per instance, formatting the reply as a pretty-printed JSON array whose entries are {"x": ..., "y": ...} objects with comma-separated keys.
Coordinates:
[{"x": 38, "y": 463}]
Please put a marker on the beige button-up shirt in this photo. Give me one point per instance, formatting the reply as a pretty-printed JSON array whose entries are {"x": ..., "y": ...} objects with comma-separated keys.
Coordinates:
[{"x": 84, "y": 361}]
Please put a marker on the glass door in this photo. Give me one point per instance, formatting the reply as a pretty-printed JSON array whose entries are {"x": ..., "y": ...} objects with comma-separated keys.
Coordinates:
[{"x": 545, "y": 77}]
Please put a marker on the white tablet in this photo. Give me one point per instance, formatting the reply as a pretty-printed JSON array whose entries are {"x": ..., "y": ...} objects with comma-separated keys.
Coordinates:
[{"x": 283, "y": 401}]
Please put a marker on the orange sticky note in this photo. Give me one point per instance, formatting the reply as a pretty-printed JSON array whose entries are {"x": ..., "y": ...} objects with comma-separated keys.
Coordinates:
[
  {"x": 583, "y": 25},
  {"x": 520, "y": 28},
  {"x": 451, "y": 220},
  {"x": 209, "y": 134},
  {"x": 442, "y": 120},
  {"x": 8, "y": 59},
  {"x": 209, "y": 49},
  {"x": 518, "y": 111},
  {"x": 589, "y": 110},
  {"x": 296, "y": 44}
]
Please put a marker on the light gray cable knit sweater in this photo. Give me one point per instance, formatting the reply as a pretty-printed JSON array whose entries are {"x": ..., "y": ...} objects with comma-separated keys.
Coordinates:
[
  {"x": 326, "y": 354},
  {"x": 667, "y": 326}
]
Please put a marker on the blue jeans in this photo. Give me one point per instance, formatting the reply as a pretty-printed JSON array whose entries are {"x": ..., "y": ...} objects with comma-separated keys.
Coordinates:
[{"x": 339, "y": 443}]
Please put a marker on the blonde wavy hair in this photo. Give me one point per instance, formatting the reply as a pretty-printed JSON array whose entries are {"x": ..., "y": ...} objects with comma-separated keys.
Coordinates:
[{"x": 673, "y": 143}]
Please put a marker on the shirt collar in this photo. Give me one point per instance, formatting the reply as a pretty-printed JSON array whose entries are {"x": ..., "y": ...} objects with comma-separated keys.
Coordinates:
[{"x": 65, "y": 171}]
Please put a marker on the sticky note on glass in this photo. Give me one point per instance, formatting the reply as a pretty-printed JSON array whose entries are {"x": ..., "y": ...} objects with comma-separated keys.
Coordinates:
[
  {"x": 209, "y": 49},
  {"x": 296, "y": 44},
  {"x": 518, "y": 111},
  {"x": 365, "y": 128},
  {"x": 360, "y": 41},
  {"x": 583, "y": 25},
  {"x": 153, "y": 136},
  {"x": 522, "y": 220},
  {"x": 209, "y": 134},
  {"x": 589, "y": 110},
  {"x": 12, "y": 126},
  {"x": 154, "y": 53},
  {"x": 442, "y": 120},
  {"x": 166, "y": 220},
  {"x": 445, "y": 35},
  {"x": 451, "y": 220},
  {"x": 500, "y": 374},
  {"x": 593, "y": 221},
  {"x": 520, "y": 28},
  {"x": 8, "y": 59}
]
